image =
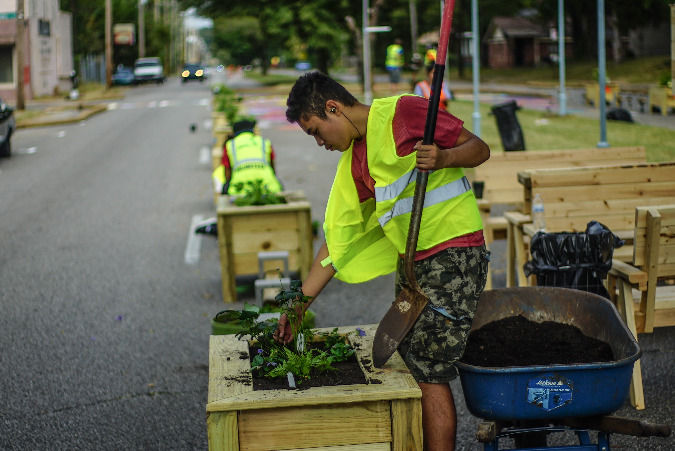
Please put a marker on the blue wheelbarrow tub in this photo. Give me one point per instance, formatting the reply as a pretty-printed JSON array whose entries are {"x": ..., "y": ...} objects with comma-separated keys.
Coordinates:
[{"x": 552, "y": 391}]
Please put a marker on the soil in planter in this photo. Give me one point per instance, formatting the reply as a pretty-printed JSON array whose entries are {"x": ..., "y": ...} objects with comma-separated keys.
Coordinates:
[
  {"x": 517, "y": 341},
  {"x": 348, "y": 372}
]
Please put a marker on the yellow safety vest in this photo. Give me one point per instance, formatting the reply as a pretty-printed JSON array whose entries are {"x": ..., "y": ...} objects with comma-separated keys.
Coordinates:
[
  {"x": 250, "y": 157},
  {"x": 394, "y": 56},
  {"x": 365, "y": 239}
]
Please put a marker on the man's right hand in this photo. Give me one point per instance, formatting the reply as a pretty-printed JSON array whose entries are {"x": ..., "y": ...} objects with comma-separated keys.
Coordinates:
[{"x": 284, "y": 333}]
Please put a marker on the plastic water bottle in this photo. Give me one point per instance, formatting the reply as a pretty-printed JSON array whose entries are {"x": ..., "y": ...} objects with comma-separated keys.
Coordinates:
[{"x": 538, "y": 213}]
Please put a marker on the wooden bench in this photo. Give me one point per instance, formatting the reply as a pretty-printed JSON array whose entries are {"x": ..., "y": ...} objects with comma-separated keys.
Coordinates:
[
  {"x": 575, "y": 196},
  {"x": 648, "y": 278},
  {"x": 500, "y": 177}
]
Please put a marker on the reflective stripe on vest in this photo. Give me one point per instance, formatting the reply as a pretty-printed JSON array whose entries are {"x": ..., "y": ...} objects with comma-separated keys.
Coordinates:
[
  {"x": 433, "y": 197},
  {"x": 238, "y": 163}
]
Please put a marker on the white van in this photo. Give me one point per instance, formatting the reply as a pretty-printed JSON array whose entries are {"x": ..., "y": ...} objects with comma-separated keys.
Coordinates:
[{"x": 148, "y": 70}]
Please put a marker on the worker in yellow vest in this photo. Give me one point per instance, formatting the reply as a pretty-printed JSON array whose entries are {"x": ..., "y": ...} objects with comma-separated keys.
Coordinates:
[
  {"x": 430, "y": 56},
  {"x": 367, "y": 219},
  {"x": 246, "y": 157},
  {"x": 394, "y": 64}
]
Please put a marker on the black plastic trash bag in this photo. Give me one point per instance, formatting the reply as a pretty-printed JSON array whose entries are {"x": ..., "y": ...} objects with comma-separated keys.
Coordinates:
[
  {"x": 509, "y": 127},
  {"x": 579, "y": 260}
]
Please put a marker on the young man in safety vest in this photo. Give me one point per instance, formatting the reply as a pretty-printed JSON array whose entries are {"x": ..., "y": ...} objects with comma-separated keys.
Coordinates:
[
  {"x": 394, "y": 64},
  {"x": 246, "y": 157},
  {"x": 367, "y": 219}
]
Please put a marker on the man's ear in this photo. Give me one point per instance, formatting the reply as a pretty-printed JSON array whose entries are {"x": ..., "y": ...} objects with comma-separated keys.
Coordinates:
[{"x": 332, "y": 106}]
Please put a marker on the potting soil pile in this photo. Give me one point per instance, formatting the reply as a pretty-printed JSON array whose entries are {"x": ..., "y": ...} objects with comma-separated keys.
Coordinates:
[{"x": 517, "y": 341}]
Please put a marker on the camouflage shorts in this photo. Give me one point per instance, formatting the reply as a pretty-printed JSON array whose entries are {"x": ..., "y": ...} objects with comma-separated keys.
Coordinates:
[{"x": 453, "y": 279}]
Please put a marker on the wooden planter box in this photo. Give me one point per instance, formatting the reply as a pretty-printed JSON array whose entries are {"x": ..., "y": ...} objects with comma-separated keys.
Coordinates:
[
  {"x": 383, "y": 415},
  {"x": 661, "y": 97},
  {"x": 245, "y": 231}
]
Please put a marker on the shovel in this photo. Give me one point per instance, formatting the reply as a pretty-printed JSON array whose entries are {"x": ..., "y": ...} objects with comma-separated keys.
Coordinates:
[{"x": 411, "y": 300}]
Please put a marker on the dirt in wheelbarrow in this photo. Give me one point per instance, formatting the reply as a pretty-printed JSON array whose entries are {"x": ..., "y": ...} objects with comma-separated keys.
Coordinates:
[{"x": 517, "y": 341}]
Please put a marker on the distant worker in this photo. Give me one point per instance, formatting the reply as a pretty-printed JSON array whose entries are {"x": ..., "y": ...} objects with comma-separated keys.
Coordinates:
[
  {"x": 430, "y": 56},
  {"x": 423, "y": 88},
  {"x": 394, "y": 64},
  {"x": 246, "y": 157}
]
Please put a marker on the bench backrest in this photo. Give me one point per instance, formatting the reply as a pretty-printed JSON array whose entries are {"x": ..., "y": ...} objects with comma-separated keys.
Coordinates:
[
  {"x": 499, "y": 173},
  {"x": 607, "y": 194},
  {"x": 654, "y": 239}
]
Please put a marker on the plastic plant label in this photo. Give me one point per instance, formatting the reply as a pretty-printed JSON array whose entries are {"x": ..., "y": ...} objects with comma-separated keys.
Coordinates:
[{"x": 549, "y": 391}]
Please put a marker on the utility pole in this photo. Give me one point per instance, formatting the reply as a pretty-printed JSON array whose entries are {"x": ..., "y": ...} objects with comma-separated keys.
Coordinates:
[
  {"x": 20, "y": 34},
  {"x": 108, "y": 44},
  {"x": 141, "y": 29}
]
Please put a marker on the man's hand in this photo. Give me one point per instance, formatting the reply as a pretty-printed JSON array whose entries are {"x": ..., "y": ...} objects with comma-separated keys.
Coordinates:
[
  {"x": 429, "y": 157},
  {"x": 284, "y": 333}
]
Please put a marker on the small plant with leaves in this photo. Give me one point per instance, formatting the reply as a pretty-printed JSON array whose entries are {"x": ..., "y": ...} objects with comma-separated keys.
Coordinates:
[
  {"x": 274, "y": 360},
  {"x": 256, "y": 193}
]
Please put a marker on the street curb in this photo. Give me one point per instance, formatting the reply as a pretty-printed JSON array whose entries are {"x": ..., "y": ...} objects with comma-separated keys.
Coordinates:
[{"x": 43, "y": 122}]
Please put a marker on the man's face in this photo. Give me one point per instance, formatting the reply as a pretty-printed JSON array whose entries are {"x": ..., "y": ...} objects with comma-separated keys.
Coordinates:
[{"x": 328, "y": 133}]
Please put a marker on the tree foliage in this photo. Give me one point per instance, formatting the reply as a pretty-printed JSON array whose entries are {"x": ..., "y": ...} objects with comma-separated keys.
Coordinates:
[{"x": 88, "y": 22}]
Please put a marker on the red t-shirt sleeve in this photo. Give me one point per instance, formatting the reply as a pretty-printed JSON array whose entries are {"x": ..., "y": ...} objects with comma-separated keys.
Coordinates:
[
  {"x": 408, "y": 128},
  {"x": 225, "y": 161},
  {"x": 410, "y": 119}
]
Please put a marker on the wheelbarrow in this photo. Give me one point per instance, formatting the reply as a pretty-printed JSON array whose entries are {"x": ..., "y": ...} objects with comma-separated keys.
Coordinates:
[{"x": 529, "y": 402}]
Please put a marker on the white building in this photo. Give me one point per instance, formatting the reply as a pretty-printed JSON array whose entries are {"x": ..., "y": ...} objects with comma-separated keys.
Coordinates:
[{"x": 48, "y": 49}]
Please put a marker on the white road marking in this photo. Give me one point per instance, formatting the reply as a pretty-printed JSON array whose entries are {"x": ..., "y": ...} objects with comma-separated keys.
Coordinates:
[
  {"x": 194, "y": 242},
  {"x": 27, "y": 151},
  {"x": 204, "y": 155}
]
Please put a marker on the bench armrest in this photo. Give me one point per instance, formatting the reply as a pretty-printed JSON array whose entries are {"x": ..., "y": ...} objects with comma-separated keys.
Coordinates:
[
  {"x": 517, "y": 218},
  {"x": 630, "y": 273}
]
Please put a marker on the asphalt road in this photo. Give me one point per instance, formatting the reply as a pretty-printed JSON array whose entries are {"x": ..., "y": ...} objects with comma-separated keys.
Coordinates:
[{"x": 104, "y": 322}]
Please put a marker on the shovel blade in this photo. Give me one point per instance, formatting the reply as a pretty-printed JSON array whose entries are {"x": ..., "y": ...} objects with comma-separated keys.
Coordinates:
[{"x": 396, "y": 323}]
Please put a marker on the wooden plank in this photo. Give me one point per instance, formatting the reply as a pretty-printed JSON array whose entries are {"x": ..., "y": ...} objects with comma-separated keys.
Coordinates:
[
  {"x": 406, "y": 425},
  {"x": 654, "y": 192},
  {"x": 269, "y": 240},
  {"x": 263, "y": 222},
  {"x": 622, "y": 174},
  {"x": 222, "y": 431},
  {"x": 312, "y": 426},
  {"x": 366, "y": 447},
  {"x": 248, "y": 263},
  {"x": 229, "y": 367}
]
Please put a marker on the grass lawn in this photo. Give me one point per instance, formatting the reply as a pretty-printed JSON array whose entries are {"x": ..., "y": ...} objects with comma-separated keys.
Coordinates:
[{"x": 545, "y": 131}]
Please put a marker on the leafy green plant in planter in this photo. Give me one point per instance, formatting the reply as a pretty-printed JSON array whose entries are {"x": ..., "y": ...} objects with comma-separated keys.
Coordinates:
[
  {"x": 226, "y": 101},
  {"x": 255, "y": 193},
  {"x": 275, "y": 360}
]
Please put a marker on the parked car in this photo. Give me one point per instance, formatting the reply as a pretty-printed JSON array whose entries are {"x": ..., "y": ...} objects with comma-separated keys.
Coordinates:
[
  {"x": 7, "y": 125},
  {"x": 193, "y": 72},
  {"x": 123, "y": 75},
  {"x": 148, "y": 70}
]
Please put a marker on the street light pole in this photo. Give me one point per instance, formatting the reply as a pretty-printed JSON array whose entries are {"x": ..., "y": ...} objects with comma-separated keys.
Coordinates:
[
  {"x": 367, "y": 86},
  {"x": 20, "y": 32},
  {"x": 476, "y": 67},
  {"x": 108, "y": 43},
  {"x": 562, "y": 95},
  {"x": 141, "y": 28},
  {"x": 601, "y": 74}
]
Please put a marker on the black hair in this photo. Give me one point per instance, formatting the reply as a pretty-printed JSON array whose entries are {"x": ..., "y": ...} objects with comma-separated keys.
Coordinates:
[{"x": 310, "y": 93}]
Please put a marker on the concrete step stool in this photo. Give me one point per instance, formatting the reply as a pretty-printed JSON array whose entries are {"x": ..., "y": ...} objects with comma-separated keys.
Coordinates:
[{"x": 267, "y": 281}]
